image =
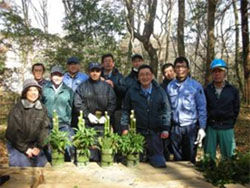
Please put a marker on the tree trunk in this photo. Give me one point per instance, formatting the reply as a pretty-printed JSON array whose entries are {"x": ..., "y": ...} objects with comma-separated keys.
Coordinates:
[
  {"x": 211, "y": 38},
  {"x": 180, "y": 29},
  {"x": 246, "y": 48},
  {"x": 144, "y": 38},
  {"x": 237, "y": 51},
  {"x": 169, "y": 26}
]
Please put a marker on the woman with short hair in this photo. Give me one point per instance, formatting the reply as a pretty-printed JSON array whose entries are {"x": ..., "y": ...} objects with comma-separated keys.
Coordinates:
[{"x": 27, "y": 128}]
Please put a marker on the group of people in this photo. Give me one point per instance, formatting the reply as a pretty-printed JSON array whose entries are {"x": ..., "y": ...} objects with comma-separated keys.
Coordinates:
[{"x": 174, "y": 117}]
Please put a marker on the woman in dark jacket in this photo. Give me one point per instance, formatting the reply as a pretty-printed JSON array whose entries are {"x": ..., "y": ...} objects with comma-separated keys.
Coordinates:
[{"x": 27, "y": 128}]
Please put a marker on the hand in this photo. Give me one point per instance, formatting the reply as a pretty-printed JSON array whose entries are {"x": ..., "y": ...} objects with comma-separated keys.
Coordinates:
[
  {"x": 93, "y": 119},
  {"x": 29, "y": 152},
  {"x": 35, "y": 151},
  {"x": 110, "y": 82},
  {"x": 102, "y": 120},
  {"x": 200, "y": 136},
  {"x": 164, "y": 134},
  {"x": 124, "y": 132}
]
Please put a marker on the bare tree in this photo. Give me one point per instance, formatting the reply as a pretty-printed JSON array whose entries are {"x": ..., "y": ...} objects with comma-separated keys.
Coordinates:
[
  {"x": 180, "y": 29},
  {"x": 211, "y": 38},
  {"x": 147, "y": 11},
  {"x": 237, "y": 64},
  {"x": 246, "y": 48}
]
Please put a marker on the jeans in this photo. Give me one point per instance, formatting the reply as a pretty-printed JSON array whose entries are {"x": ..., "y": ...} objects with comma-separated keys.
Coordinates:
[{"x": 19, "y": 159}]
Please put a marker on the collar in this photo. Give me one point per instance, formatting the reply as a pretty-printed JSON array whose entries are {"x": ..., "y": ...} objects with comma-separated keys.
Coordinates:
[
  {"x": 148, "y": 90},
  {"x": 72, "y": 77},
  {"x": 28, "y": 104},
  {"x": 223, "y": 85},
  {"x": 179, "y": 84},
  {"x": 58, "y": 88}
]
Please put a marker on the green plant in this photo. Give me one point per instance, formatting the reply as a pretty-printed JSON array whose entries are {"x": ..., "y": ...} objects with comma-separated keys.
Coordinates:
[
  {"x": 109, "y": 140},
  {"x": 224, "y": 171},
  {"x": 58, "y": 139},
  {"x": 132, "y": 143},
  {"x": 84, "y": 137}
]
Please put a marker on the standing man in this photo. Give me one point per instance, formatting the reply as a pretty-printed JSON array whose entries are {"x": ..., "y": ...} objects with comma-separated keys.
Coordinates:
[
  {"x": 223, "y": 105},
  {"x": 59, "y": 97},
  {"x": 38, "y": 71},
  {"x": 131, "y": 79},
  {"x": 152, "y": 113},
  {"x": 188, "y": 104},
  {"x": 93, "y": 97},
  {"x": 112, "y": 76},
  {"x": 168, "y": 75},
  {"x": 73, "y": 78}
]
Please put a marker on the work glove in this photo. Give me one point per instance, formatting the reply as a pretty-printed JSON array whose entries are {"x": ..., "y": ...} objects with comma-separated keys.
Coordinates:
[
  {"x": 102, "y": 120},
  {"x": 200, "y": 136},
  {"x": 164, "y": 134},
  {"x": 93, "y": 119}
]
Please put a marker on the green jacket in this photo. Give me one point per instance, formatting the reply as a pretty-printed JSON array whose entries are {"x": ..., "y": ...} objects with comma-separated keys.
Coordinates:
[
  {"x": 28, "y": 125},
  {"x": 60, "y": 101}
]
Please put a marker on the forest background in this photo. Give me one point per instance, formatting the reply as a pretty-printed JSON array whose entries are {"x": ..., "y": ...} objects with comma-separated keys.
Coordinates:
[{"x": 160, "y": 30}]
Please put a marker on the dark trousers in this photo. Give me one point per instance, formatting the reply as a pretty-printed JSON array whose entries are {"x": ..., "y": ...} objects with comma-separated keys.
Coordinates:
[
  {"x": 154, "y": 148},
  {"x": 182, "y": 142},
  {"x": 95, "y": 154},
  {"x": 117, "y": 121}
]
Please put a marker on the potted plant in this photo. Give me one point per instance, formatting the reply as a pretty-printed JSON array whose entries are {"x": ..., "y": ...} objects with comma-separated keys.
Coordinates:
[
  {"x": 108, "y": 143},
  {"x": 132, "y": 144},
  {"x": 83, "y": 139},
  {"x": 58, "y": 141}
]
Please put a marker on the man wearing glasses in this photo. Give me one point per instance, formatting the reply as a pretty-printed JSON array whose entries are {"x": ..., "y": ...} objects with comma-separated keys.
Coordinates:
[{"x": 188, "y": 104}]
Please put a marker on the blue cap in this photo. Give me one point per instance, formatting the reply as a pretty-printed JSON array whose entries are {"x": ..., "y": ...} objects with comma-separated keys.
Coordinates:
[
  {"x": 94, "y": 65},
  {"x": 73, "y": 60}
]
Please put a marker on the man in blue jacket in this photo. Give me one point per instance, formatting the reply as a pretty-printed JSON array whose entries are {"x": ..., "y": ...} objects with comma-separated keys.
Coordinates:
[
  {"x": 223, "y": 105},
  {"x": 188, "y": 104},
  {"x": 73, "y": 78},
  {"x": 152, "y": 112}
]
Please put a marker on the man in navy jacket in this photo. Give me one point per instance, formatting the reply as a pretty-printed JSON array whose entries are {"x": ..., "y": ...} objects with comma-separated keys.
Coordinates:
[{"x": 152, "y": 113}]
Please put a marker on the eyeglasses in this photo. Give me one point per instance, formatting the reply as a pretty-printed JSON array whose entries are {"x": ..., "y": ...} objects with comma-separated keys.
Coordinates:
[{"x": 180, "y": 67}]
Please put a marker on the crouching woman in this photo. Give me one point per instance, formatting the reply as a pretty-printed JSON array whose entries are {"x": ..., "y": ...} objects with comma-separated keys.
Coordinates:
[{"x": 27, "y": 128}]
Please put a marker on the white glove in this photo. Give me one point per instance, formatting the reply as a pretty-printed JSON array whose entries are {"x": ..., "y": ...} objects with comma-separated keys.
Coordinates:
[
  {"x": 200, "y": 136},
  {"x": 102, "y": 120},
  {"x": 92, "y": 118}
]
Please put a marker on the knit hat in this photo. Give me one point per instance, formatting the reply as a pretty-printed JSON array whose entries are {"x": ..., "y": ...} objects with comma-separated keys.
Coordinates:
[{"x": 28, "y": 83}]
